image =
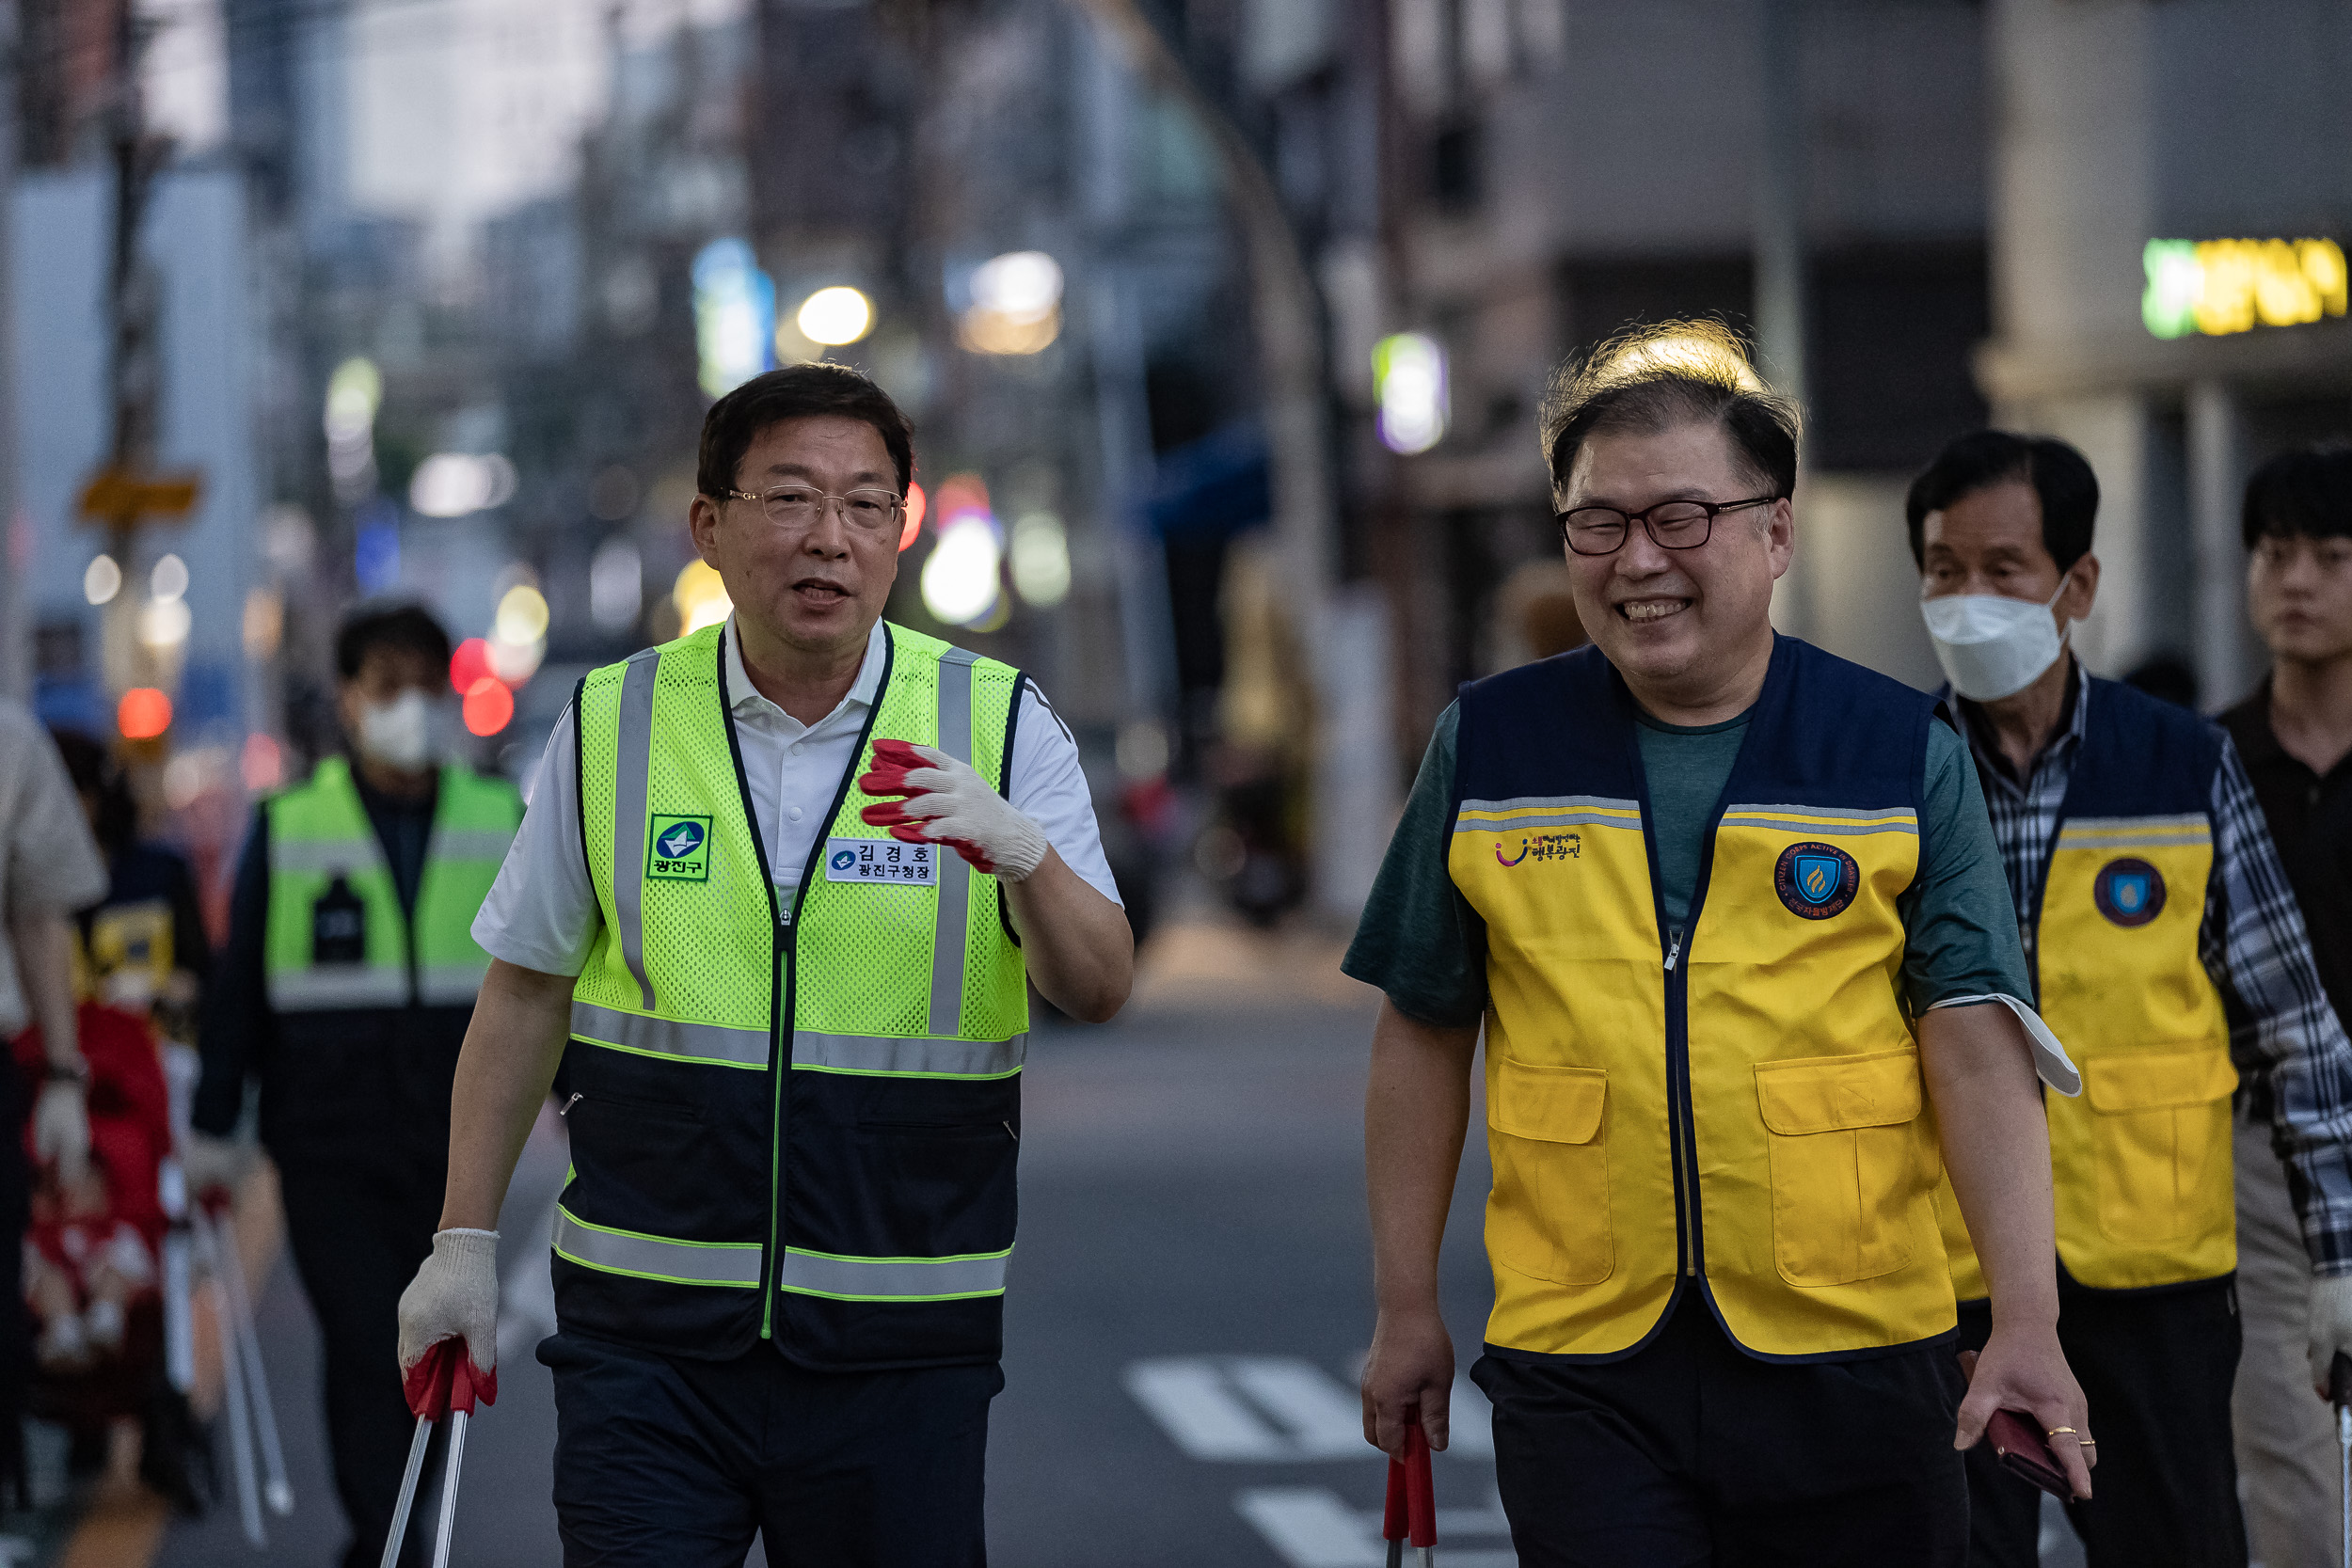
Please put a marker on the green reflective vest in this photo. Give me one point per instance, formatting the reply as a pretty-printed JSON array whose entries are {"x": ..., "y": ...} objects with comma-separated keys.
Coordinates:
[
  {"x": 337, "y": 935},
  {"x": 797, "y": 1107}
]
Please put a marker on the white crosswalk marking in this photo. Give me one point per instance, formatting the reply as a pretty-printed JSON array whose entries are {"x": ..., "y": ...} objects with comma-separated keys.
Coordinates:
[
  {"x": 1311, "y": 1527},
  {"x": 1275, "y": 1409}
]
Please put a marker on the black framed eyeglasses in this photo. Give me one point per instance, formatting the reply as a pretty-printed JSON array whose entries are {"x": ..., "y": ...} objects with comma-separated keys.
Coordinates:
[
  {"x": 1676, "y": 525},
  {"x": 799, "y": 506}
]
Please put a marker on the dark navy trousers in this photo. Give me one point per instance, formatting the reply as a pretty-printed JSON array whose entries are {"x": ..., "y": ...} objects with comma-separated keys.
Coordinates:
[{"x": 680, "y": 1464}]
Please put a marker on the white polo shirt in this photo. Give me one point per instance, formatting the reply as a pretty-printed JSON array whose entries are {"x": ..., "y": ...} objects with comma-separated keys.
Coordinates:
[{"x": 543, "y": 914}]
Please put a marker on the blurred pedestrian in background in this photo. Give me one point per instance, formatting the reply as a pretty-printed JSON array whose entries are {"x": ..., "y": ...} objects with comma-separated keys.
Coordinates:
[
  {"x": 1723, "y": 1310},
  {"x": 347, "y": 986},
  {"x": 2166, "y": 948},
  {"x": 49, "y": 867},
  {"x": 799, "y": 1012},
  {"x": 2294, "y": 734}
]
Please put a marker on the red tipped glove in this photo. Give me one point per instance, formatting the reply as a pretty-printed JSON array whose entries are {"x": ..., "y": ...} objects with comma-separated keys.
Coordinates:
[
  {"x": 445, "y": 1379},
  {"x": 946, "y": 802}
]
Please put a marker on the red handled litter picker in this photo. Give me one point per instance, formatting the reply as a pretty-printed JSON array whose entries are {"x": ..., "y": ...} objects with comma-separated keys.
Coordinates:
[
  {"x": 441, "y": 1388},
  {"x": 1412, "y": 1511}
]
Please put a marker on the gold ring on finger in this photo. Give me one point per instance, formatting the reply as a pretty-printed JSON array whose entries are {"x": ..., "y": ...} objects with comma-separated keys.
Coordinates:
[{"x": 2061, "y": 1431}]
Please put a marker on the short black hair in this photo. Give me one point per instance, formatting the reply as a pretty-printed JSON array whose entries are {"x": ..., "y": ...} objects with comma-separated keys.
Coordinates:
[
  {"x": 2306, "y": 493},
  {"x": 2060, "y": 477},
  {"x": 796, "y": 392},
  {"x": 400, "y": 628},
  {"x": 1653, "y": 377}
]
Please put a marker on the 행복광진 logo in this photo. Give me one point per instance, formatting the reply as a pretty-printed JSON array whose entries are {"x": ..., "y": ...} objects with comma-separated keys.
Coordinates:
[
  {"x": 1544, "y": 846},
  {"x": 1816, "y": 881},
  {"x": 677, "y": 849},
  {"x": 2129, "y": 892}
]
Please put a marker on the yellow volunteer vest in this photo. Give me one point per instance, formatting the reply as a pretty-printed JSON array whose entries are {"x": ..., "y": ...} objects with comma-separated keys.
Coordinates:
[{"x": 1739, "y": 1114}]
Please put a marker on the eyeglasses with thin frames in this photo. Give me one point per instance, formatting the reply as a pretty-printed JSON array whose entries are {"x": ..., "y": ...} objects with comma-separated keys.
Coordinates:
[
  {"x": 1674, "y": 525},
  {"x": 799, "y": 506}
]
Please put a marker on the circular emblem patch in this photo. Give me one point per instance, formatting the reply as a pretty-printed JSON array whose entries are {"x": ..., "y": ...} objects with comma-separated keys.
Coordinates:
[
  {"x": 2129, "y": 892},
  {"x": 1816, "y": 881},
  {"x": 843, "y": 860}
]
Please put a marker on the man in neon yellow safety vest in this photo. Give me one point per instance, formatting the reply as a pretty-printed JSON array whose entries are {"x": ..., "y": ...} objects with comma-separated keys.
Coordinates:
[
  {"x": 346, "y": 986},
  {"x": 781, "y": 892}
]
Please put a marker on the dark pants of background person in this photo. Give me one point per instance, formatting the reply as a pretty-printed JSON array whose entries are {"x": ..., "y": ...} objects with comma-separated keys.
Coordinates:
[
  {"x": 1691, "y": 1452},
  {"x": 680, "y": 1464},
  {"x": 2155, "y": 1368},
  {"x": 358, "y": 1228}
]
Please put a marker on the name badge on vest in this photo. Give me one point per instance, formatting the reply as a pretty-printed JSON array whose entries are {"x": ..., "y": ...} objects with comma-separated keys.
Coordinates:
[
  {"x": 339, "y": 925},
  {"x": 881, "y": 859}
]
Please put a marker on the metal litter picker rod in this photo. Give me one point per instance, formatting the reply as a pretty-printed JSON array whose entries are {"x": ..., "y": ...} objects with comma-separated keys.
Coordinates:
[
  {"x": 1411, "y": 1514},
  {"x": 234, "y": 1386},
  {"x": 417, "y": 1446},
  {"x": 275, "y": 1486},
  {"x": 441, "y": 1388},
  {"x": 2340, "y": 1394}
]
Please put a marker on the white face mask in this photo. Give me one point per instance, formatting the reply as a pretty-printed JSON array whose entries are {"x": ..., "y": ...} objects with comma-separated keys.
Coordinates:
[
  {"x": 1992, "y": 645},
  {"x": 398, "y": 734}
]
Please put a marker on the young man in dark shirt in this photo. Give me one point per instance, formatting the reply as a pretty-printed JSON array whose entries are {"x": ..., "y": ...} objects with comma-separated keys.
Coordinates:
[{"x": 2294, "y": 734}]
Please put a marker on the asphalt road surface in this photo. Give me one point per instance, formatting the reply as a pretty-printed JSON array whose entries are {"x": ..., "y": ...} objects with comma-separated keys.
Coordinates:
[{"x": 1190, "y": 1303}]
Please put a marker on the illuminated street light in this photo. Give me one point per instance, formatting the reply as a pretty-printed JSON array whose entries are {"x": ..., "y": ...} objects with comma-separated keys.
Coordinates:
[
  {"x": 1041, "y": 560},
  {"x": 1409, "y": 380},
  {"x": 836, "y": 316},
  {"x": 169, "y": 579},
  {"x": 1016, "y": 305},
  {"x": 960, "y": 581},
  {"x": 456, "y": 483},
  {"x": 103, "y": 580}
]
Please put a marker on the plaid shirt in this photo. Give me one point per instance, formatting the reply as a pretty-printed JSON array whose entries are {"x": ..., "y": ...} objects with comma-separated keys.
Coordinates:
[{"x": 2294, "y": 1060}]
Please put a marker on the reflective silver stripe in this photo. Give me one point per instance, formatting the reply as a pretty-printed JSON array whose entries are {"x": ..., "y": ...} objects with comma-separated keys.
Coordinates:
[
  {"x": 730, "y": 1263},
  {"x": 298, "y": 990},
  {"x": 450, "y": 985},
  {"x": 470, "y": 843},
  {"x": 629, "y": 814},
  {"x": 326, "y": 855},
  {"x": 669, "y": 1037},
  {"x": 954, "y": 875},
  {"x": 817, "y": 1274},
  {"x": 886, "y": 1056},
  {"x": 1549, "y": 819},
  {"x": 1555, "y": 802},
  {"x": 2135, "y": 833},
  {"x": 1852, "y": 814},
  {"x": 1826, "y": 830}
]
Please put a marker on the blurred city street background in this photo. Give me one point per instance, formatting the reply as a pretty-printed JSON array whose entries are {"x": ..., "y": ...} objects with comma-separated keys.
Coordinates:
[{"x": 1224, "y": 325}]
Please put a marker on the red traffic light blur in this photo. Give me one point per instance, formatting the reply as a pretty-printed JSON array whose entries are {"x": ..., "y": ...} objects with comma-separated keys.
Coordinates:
[
  {"x": 143, "y": 714},
  {"x": 489, "y": 707},
  {"x": 468, "y": 664}
]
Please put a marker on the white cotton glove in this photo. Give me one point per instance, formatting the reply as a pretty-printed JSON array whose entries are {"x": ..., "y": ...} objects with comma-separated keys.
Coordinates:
[
  {"x": 946, "y": 802},
  {"x": 2330, "y": 1327},
  {"x": 455, "y": 1296},
  {"x": 212, "y": 1164},
  {"x": 61, "y": 1126}
]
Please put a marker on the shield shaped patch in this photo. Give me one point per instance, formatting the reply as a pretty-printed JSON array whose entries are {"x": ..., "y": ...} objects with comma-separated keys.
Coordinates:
[{"x": 1816, "y": 881}]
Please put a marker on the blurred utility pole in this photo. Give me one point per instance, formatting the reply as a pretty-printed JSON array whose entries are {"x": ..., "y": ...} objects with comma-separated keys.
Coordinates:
[
  {"x": 1782, "y": 307},
  {"x": 16, "y": 633}
]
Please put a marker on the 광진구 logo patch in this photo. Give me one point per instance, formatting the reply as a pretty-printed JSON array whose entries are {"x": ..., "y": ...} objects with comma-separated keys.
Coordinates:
[
  {"x": 2129, "y": 892},
  {"x": 1816, "y": 881},
  {"x": 677, "y": 849}
]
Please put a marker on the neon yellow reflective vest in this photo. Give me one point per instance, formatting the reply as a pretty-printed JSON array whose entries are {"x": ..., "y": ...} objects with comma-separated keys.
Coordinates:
[
  {"x": 2141, "y": 1162},
  {"x": 1738, "y": 1114},
  {"x": 857, "y": 1206},
  {"x": 337, "y": 936}
]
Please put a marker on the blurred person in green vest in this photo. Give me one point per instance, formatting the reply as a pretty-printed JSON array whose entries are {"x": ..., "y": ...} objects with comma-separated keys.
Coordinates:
[{"x": 345, "y": 987}]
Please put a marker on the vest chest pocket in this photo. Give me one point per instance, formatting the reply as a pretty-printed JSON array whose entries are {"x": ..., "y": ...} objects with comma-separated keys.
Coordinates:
[
  {"x": 1847, "y": 1163},
  {"x": 1548, "y": 1217},
  {"x": 2160, "y": 1139}
]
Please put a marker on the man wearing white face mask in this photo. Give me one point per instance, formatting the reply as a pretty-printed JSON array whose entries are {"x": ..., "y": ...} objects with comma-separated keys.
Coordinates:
[
  {"x": 2169, "y": 954},
  {"x": 347, "y": 988}
]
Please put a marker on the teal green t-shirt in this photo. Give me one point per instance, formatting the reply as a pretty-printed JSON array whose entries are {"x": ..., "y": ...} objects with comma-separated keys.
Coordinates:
[{"x": 1422, "y": 942}]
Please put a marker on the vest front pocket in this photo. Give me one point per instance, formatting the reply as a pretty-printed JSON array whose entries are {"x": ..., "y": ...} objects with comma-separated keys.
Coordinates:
[
  {"x": 2160, "y": 1140},
  {"x": 1548, "y": 1215},
  {"x": 1846, "y": 1163}
]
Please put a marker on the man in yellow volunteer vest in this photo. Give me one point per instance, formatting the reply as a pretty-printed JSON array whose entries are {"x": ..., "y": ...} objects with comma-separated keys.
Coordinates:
[
  {"x": 346, "y": 986},
  {"x": 1728, "y": 911},
  {"x": 782, "y": 888},
  {"x": 2169, "y": 953}
]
